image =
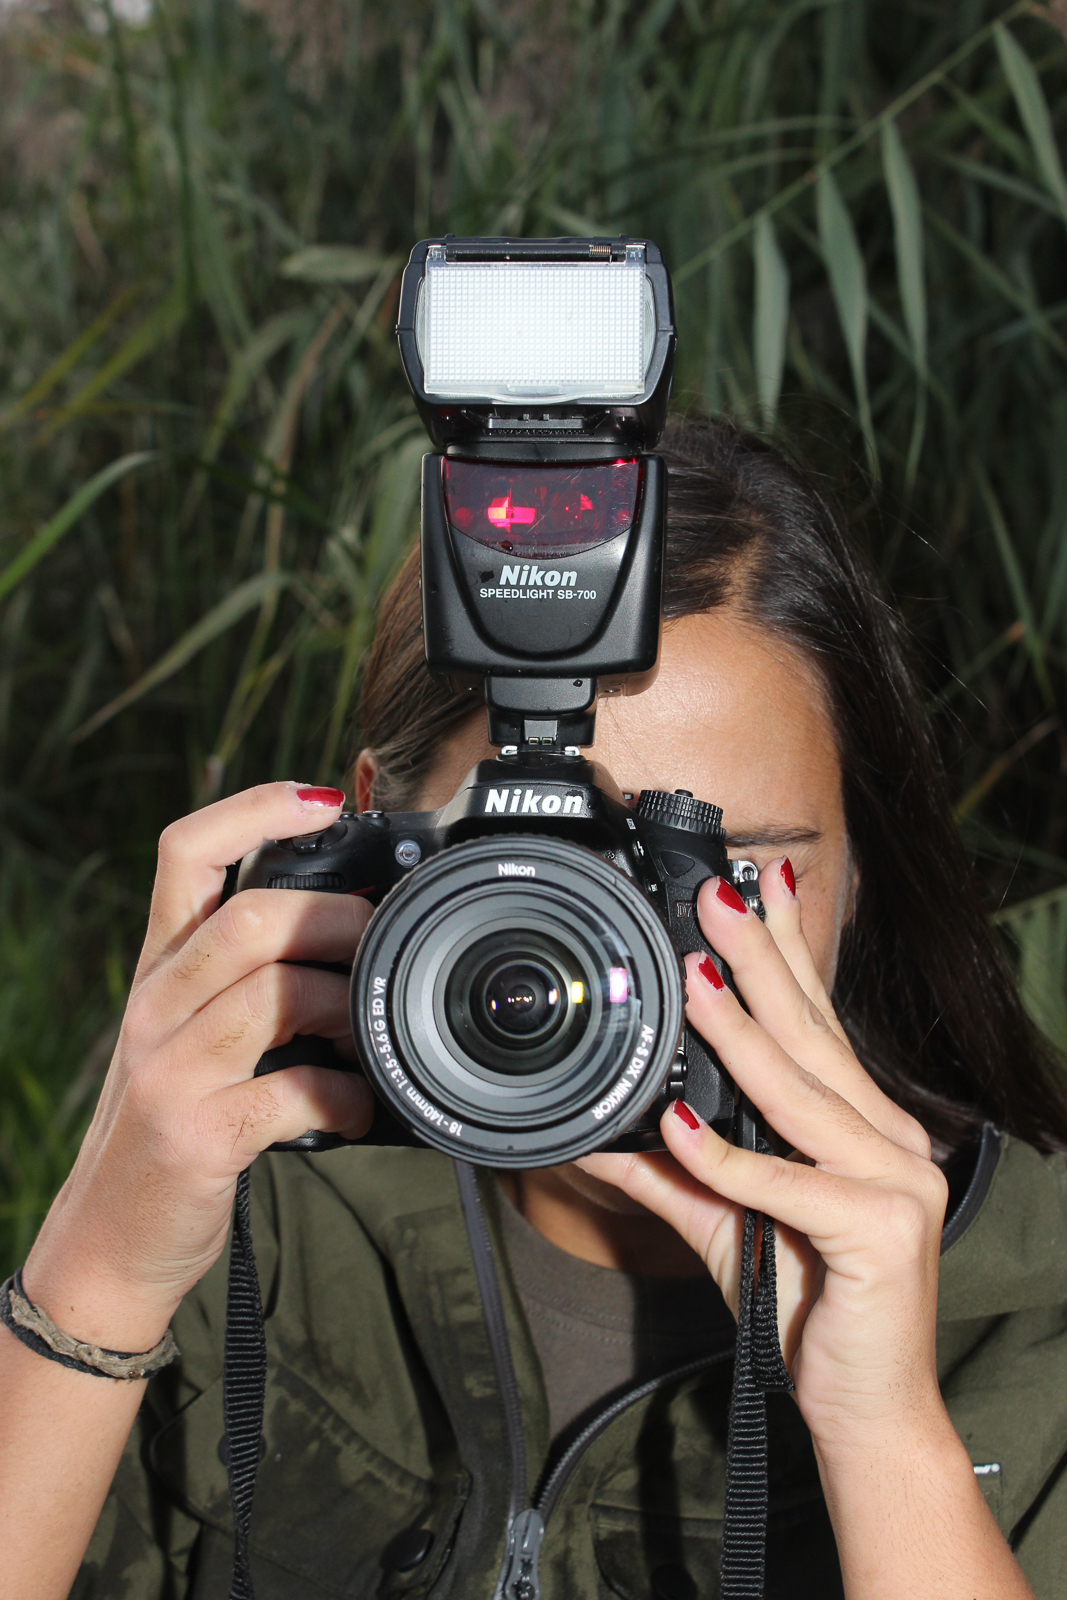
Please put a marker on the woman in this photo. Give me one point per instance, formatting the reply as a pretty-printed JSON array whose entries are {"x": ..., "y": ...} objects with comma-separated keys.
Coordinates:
[{"x": 930, "y": 1415}]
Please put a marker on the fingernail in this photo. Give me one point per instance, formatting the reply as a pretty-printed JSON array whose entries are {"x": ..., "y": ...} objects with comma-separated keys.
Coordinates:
[
  {"x": 690, "y": 1119},
  {"x": 321, "y": 797},
  {"x": 709, "y": 971},
  {"x": 786, "y": 871},
  {"x": 729, "y": 896}
]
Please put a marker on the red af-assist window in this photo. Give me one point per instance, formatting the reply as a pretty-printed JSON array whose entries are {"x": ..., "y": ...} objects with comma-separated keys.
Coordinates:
[{"x": 542, "y": 510}]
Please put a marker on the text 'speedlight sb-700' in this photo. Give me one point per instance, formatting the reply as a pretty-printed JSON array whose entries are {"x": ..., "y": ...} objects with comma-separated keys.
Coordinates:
[{"x": 542, "y": 370}]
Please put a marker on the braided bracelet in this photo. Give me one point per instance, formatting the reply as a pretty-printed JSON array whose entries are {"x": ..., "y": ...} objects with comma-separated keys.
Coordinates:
[{"x": 35, "y": 1329}]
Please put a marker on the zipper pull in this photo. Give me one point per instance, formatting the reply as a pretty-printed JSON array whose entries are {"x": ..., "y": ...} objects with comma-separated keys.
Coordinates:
[{"x": 522, "y": 1582}]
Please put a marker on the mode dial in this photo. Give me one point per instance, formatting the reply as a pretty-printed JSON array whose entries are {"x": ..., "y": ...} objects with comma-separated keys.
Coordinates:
[{"x": 679, "y": 810}]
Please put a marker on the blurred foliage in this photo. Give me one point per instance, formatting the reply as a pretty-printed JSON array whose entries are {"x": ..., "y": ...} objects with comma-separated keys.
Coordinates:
[{"x": 209, "y": 462}]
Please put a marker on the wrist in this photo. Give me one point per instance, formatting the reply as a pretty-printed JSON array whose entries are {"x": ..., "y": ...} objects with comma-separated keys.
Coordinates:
[
  {"x": 98, "y": 1307},
  {"x": 867, "y": 1470}
]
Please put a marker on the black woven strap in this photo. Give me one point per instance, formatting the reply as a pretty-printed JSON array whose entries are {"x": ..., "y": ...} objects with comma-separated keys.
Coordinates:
[
  {"x": 758, "y": 1370},
  {"x": 244, "y": 1384}
]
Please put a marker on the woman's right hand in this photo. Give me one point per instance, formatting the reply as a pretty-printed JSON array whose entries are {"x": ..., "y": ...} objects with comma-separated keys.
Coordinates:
[{"x": 146, "y": 1209}]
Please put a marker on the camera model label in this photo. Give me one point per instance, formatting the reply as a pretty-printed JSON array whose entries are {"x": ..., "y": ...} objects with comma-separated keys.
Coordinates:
[
  {"x": 528, "y": 581},
  {"x": 520, "y": 801},
  {"x": 383, "y": 1044},
  {"x": 630, "y": 1078}
]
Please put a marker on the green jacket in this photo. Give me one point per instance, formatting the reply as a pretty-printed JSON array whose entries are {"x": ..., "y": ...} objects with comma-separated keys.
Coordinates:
[{"x": 386, "y": 1437}]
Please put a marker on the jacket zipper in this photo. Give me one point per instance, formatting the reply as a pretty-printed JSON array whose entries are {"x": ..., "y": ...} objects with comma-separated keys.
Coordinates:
[
  {"x": 521, "y": 1579},
  {"x": 525, "y": 1531},
  {"x": 500, "y": 1346}
]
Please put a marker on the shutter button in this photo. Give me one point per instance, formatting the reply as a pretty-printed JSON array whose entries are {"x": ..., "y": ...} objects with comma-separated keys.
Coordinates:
[
  {"x": 408, "y": 1550},
  {"x": 673, "y": 1583}
]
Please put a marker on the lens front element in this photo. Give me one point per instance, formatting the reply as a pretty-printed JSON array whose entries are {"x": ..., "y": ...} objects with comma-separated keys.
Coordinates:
[
  {"x": 517, "y": 1004},
  {"x": 517, "y": 1001},
  {"x": 521, "y": 1000}
]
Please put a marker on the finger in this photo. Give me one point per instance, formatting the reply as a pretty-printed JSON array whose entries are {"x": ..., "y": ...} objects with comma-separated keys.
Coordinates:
[
  {"x": 778, "y": 892},
  {"x": 777, "y": 1001},
  {"x": 223, "y": 1042},
  {"x": 247, "y": 1117},
  {"x": 195, "y": 852},
  {"x": 798, "y": 1103},
  {"x": 713, "y": 1227},
  {"x": 709, "y": 1224},
  {"x": 253, "y": 929},
  {"x": 839, "y": 1214}
]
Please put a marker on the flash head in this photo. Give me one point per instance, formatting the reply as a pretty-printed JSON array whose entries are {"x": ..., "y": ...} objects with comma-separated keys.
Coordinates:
[{"x": 538, "y": 349}]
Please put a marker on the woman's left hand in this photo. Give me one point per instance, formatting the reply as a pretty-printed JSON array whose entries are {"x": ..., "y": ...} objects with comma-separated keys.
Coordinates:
[{"x": 859, "y": 1207}]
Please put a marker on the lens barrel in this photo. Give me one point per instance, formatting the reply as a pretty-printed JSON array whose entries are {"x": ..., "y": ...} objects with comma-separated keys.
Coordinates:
[{"x": 516, "y": 1001}]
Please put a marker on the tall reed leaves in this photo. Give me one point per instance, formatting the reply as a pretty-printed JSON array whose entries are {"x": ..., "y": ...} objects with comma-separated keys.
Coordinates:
[{"x": 209, "y": 461}]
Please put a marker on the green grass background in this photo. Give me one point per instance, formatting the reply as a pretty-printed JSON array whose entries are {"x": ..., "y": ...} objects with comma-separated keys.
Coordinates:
[{"x": 209, "y": 462}]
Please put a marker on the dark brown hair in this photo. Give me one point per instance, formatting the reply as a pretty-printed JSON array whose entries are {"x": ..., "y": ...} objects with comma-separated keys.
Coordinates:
[{"x": 922, "y": 987}]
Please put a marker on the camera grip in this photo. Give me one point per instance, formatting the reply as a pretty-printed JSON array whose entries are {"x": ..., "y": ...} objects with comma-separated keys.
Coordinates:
[
  {"x": 305, "y": 1050},
  {"x": 309, "y": 1050}
]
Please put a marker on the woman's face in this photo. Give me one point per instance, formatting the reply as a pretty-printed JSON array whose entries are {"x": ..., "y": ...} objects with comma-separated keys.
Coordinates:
[{"x": 738, "y": 719}]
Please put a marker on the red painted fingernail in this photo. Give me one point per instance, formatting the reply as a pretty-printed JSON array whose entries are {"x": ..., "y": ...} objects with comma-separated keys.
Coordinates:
[
  {"x": 321, "y": 797},
  {"x": 680, "y": 1109},
  {"x": 709, "y": 971},
  {"x": 786, "y": 870},
  {"x": 729, "y": 896}
]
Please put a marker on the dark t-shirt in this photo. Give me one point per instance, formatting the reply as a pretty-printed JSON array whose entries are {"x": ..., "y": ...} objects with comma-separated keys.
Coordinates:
[{"x": 598, "y": 1331}]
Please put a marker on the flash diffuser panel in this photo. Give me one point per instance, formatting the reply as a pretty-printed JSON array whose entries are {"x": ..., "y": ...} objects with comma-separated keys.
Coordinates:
[{"x": 550, "y": 331}]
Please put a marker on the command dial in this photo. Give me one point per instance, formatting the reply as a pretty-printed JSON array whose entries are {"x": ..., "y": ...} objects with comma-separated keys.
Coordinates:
[{"x": 679, "y": 810}]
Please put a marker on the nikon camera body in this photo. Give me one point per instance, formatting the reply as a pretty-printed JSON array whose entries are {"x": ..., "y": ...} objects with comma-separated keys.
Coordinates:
[{"x": 517, "y": 999}]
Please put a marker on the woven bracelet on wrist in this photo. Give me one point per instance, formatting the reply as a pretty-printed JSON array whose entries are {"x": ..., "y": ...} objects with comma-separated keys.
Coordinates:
[{"x": 35, "y": 1329}]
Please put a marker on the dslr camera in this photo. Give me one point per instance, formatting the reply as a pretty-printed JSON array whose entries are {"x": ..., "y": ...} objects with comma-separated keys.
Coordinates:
[{"x": 517, "y": 999}]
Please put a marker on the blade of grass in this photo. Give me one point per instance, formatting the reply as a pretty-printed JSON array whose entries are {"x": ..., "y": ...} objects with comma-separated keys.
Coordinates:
[
  {"x": 998, "y": 280},
  {"x": 334, "y": 263},
  {"x": 69, "y": 359},
  {"x": 848, "y": 283},
  {"x": 978, "y": 791},
  {"x": 155, "y": 328},
  {"x": 245, "y": 368},
  {"x": 1016, "y": 581},
  {"x": 889, "y": 113},
  {"x": 770, "y": 318},
  {"x": 65, "y": 518},
  {"x": 1033, "y": 112},
  {"x": 217, "y": 621},
  {"x": 908, "y": 240}
]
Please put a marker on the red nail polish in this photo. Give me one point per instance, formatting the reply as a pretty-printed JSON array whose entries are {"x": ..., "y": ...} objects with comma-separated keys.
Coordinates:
[
  {"x": 730, "y": 897},
  {"x": 321, "y": 797},
  {"x": 710, "y": 972},
  {"x": 680, "y": 1109},
  {"x": 786, "y": 870}
]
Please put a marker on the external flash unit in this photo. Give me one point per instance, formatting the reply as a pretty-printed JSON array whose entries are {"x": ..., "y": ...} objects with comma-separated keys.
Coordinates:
[{"x": 542, "y": 371}]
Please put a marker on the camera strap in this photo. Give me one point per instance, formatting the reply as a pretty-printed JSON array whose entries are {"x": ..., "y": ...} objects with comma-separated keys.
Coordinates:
[
  {"x": 758, "y": 1370},
  {"x": 244, "y": 1386}
]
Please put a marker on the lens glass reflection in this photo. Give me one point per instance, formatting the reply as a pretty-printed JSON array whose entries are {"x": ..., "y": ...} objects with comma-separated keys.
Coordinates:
[{"x": 517, "y": 1002}]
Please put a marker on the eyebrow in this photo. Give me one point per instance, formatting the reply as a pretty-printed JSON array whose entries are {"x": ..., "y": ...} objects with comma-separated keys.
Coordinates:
[{"x": 772, "y": 838}]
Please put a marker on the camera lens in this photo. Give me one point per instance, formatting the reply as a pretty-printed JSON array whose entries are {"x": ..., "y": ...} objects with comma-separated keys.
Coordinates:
[
  {"x": 516, "y": 1004},
  {"x": 517, "y": 1001}
]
